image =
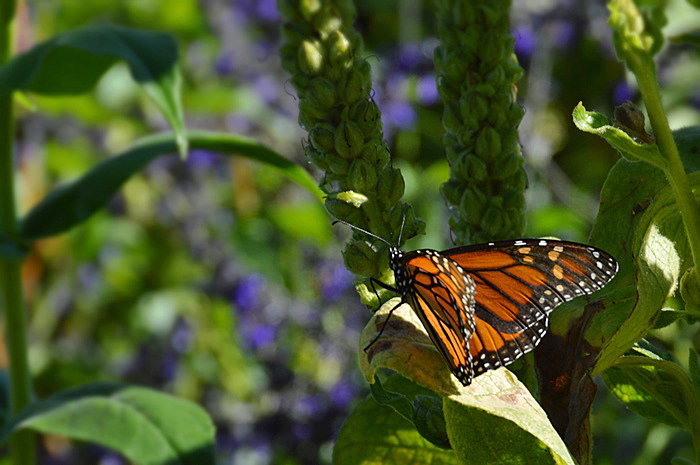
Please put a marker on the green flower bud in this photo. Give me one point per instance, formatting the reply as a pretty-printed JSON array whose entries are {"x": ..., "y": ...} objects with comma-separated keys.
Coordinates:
[
  {"x": 355, "y": 86},
  {"x": 310, "y": 57},
  {"x": 492, "y": 221},
  {"x": 322, "y": 93},
  {"x": 338, "y": 165},
  {"x": 348, "y": 139},
  {"x": 339, "y": 48},
  {"x": 690, "y": 290},
  {"x": 309, "y": 114},
  {"x": 476, "y": 169},
  {"x": 359, "y": 258},
  {"x": 472, "y": 203},
  {"x": 363, "y": 176},
  {"x": 322, "y": 137},
  {"x": 366, "y": 114},
  {"x": 452, "y": 191},
  {"x": 309, "y": 7},
  {"x": 317, "y": 157},
  {"x": 341, "y": 209},
  {"x": 390, "y": 187},
  {"x": 488, "y": 144}
]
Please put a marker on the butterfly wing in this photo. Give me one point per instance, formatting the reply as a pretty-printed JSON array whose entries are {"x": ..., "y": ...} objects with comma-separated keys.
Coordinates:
[
  {"x": 442, "y": 296},
  {"x": 518, "y": 283}
]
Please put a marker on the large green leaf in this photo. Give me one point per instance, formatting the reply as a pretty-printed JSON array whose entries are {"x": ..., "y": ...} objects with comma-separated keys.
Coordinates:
[
  {"x": 494, "y": 420},
  {"x": 377, "y": 434},
  {"x": 639, "y": 224},
  {"x": 72, "y": 62},
  {"x": 72, "y": 203},
  {"x": 146, "y": 426},
  {"x": 658, "y": 390}
]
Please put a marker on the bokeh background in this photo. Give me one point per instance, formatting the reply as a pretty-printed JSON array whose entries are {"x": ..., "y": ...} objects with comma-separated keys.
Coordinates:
[{"x": 219, "y": 281}]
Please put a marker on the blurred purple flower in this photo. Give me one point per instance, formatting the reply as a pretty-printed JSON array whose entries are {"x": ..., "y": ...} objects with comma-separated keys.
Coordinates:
[
  {"x": 111, "y": 459},
  {"x": 259, "y": 336},
  {"x": 181, "y": 339},
  {"x": 301, "y": 431},
  {"x": 525, "y": 42},
  {"x": 410, "y": 56},
  {"x": 307, "y": 407},
  {"x": 427, "y": 90},
  {"x": 342, "y": 393},
  {"x": 247, "y": 292},
  {"x": 336, "y": 281},
  {"x": 267, "y": 10},
  {"x": 202, "y": 158},
  {"x": 622, "y": 93},
  {"x": 564, "y": 34},
  {"x": 169, "y": 366},
  {"x": 399, "y": 114},
  {"x": 267, "y": 88},
  {"x": 89, "y": 276},
  {"x": 224, "y": 64}
]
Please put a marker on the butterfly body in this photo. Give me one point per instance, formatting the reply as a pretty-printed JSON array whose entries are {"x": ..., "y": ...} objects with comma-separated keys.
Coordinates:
[{"x": 485, "y": 305}]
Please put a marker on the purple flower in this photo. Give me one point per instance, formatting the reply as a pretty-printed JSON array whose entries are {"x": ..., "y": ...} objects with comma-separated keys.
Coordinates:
[
  {"x": 410, "y": 56},
  {"x": 564, "y": 34},
  {"x": 399, "y": 114},
  {"x": 202, "y": 158},
  {"x": 259, "y": 336},
  {"x": 247, "y": 292},
  {"x": 622, "y": 93},
  {"x": 335, "y": 282},
  {"x": 427, "y": 90},
  {"x": 525, "y": 42},
  {"x": 267, "y": 10},
  {"x": 224, "y": 64},
  {"x": 267, "y": 88},
  {"x": 342, "y": 393},
  {"x": 181, "y": 339}
]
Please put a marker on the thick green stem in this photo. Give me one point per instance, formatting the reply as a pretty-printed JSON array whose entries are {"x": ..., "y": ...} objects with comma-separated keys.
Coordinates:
[
  {"x": 22, "y": 448},
  {"x": 643, "y": 69}
]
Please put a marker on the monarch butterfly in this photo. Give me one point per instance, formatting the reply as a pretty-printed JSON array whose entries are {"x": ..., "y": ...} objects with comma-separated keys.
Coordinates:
[{"x": 485, "y": 305}]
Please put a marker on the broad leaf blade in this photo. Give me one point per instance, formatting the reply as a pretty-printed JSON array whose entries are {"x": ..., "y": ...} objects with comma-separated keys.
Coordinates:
[
  {"x": 83, "y": 55},
  {"x": 145, "y": 426},
  {"x": 658, "y": 390},
  {"x": 375, "y": 433},
  {"x": 72, "y": 203},
  {"x": 496, "y": 399}
]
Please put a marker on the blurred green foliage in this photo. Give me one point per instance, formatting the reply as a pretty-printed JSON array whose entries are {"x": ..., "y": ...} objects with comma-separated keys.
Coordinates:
[{"x": 218, "y": 281}]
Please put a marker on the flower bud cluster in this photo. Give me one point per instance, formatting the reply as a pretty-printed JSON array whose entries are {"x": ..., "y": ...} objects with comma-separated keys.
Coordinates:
[
  {"x": 477, "y": 71},
  {"x": 323, "y": 53}
]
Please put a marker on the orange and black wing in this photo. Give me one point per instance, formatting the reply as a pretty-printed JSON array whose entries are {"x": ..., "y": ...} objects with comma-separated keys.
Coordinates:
[
  {"x": 442, "y": 296},
  {"x": 518, "y": 283}
]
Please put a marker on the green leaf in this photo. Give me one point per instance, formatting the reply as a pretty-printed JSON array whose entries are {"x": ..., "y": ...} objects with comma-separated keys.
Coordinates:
[
  {"x": 596, "y": 123},
  {"x": 636, "y": 27},
  {"x": 658, "y": 390},
  {"x": 694, "y": 368},
  {"x": 144, "y": 425},
  {"x": 375, "y": 433},
  {"x": 496, "y": 409},
  {"x": 639, "y": 224},
  {"x": 72, "y": 203},
  {"x": 83, "y": 55}
]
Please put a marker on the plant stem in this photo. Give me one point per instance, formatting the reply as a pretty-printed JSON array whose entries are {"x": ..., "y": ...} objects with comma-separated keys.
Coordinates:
[
  {"x": 643, "y": 69},
  {"x": 22, "y": 450}
]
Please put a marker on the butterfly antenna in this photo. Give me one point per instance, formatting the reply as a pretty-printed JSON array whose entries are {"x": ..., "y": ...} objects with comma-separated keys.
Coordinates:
[
  {"x": 364, "y": 231},
  {"x": 403, "y": 220}
]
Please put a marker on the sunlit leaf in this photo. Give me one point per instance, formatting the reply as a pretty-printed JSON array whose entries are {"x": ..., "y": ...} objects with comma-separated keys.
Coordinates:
[
  {"x": 83, "y": 55},
  {"x": 70, "y": 204},
  {"x": 144, "y": 425}
]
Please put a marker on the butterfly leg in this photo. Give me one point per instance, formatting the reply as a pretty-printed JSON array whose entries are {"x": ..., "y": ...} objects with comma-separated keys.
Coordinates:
[{"x": 372, "y": 282}]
